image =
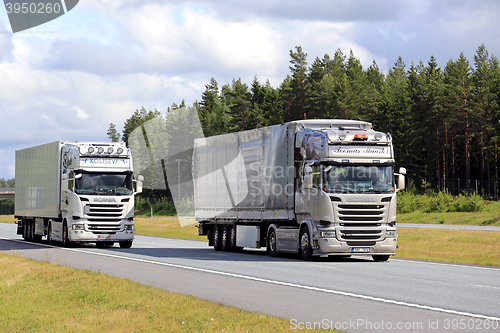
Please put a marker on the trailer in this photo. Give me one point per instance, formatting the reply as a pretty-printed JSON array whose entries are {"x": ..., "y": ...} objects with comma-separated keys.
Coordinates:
[
  {"x": 312, "y": 187},
  {"x": 76, "y": 192}
]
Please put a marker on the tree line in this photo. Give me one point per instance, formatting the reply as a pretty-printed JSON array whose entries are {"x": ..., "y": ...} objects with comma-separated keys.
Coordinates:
[{"x": 444, "y": 121}]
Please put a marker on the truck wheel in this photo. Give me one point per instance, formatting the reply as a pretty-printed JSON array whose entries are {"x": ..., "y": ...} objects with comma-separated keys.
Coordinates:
[
  {"x": 226, "y": 246},
  {"x": 271, "y": 243},
  {"x": 25, "y": 229},
  {"x": 305, "y": 244},
  {"x": 216, "y": 237},
  {"x": 31, "y": 231},
  {"x": 232, "y": 239},
  {"x": 381, "y": 257},
  {"x": 65, "y": 238},
  {"x": 126, "y": 245},
  {"x": 50, "y": 240}
]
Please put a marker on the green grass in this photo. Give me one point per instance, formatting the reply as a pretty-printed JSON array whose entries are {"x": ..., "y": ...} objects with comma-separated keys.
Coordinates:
[
  {"x": 445, "y": 245},
  {"x": 167, "y": 226},
  {"x": 43, "y": 297},
  {"x": 7, "y": 219}
]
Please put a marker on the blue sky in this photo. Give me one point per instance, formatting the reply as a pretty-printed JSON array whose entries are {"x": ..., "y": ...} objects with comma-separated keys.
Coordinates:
[{"x": 71, "y": 77}]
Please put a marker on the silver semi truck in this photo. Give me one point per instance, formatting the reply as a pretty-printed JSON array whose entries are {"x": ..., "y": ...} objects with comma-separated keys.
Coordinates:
[
  {"x": 76, "y": 192},
  {"x": 313, "y": 187}
]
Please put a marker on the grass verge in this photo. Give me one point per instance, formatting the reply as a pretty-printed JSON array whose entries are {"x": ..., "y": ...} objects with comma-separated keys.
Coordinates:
[
  {"x": 44, "y": 297},
  {"x": 487, "y": 218},
  {"x": 168, "y": 226},
  {"x": 446, "y": 245}
]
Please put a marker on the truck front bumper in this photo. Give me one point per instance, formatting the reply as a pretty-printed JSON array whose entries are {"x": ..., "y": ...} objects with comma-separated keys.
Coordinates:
[
  {"x": 86, "y": 236},
  {"x": 332, "y": 246},
  {"x": 78, "y": 232}
]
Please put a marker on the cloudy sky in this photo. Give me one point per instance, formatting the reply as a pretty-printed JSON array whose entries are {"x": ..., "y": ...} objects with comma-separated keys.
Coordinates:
[{"x": 69, "y": 78}]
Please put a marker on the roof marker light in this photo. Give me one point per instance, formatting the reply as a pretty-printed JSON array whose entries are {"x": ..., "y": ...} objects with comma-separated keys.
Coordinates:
[
  {"x": 119, "y": 150},
  {"x": 91, "y": 150},
  {"x": 378, "y": 136},
  {"x": 342, "y": 136},
  {"x": 100, "y": 150},
  {"x": 110, "y": 150}
]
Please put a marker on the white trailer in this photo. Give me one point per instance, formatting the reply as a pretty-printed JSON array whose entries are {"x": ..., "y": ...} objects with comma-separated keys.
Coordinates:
[
  {"x": 313, "y": 187},
  {"x": 76, "y": 192}
]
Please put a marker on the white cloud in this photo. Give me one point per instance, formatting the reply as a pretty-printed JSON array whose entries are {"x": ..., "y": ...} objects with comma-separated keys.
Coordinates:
[{"x": 80, "y": 113}]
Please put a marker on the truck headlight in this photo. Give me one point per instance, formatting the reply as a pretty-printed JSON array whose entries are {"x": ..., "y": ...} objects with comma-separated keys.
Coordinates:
[
  {"x": 77, "y": 227},
  {"x": 129, "y": 227},
  {"x": 328, "y": 234},
  {"x": 390, "y": 234}
]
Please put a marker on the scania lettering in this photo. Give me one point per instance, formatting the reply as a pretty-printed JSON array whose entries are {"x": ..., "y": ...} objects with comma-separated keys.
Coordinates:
[
  {"x": 312, "y": 187},
  {"x": 76, "y": 192}
]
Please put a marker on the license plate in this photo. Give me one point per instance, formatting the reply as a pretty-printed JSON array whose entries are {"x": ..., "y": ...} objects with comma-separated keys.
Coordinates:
[
  {"x": 360, "y": 249},
  {"x": 103, "y": 237}
]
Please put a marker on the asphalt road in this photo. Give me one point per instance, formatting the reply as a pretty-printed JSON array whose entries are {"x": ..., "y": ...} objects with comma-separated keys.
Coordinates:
[{"x": 355, "y": 295}]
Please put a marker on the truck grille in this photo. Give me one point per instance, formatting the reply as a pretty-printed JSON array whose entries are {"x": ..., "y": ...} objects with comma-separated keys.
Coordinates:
[
  {"x": 360, "y": 224},
  {"x": 104, "y": 218},
  {"x": 360, "y": 234},
  {"x": 361, "y": 213}
]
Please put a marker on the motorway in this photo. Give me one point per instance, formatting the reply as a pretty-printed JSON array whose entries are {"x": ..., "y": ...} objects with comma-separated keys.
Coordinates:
[{"x": 355, "y": 294}]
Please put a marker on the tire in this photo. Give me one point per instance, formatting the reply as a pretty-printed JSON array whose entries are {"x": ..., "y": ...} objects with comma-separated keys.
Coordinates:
[
  {"x": 50, "y": 240},
  {"x": 65, "y": 238},
  {"x": 25, "y": 229},
  {"x": 225, "y": 229},
  {"x": 232, "y": 239},
  {"x": 216, "y": 237},
  {"x": 271, "y": 243},
  {"x": 109, "y": 244},
  {"x": 382, "y": 257},
  {"x": 305, "y": 248},
  {"x": 126, "y": 245},
  {"x": 31, "y": 231}
]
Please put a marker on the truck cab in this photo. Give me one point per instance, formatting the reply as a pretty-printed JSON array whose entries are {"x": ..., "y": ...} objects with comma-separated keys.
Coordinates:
[{"x": 346, "y": 191}]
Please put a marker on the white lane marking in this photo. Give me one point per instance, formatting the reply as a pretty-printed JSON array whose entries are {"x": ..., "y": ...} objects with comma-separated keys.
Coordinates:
[
  {"x": 281, "y": 283},
  {"x": 483, "y": 286},
  {"x": 446, "y": 264}
]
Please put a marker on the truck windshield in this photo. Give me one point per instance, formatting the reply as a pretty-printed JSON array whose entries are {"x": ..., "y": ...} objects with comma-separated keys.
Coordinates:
[
  {"x": 358, "y": 179},
  {"x": 104, "y": 184}
]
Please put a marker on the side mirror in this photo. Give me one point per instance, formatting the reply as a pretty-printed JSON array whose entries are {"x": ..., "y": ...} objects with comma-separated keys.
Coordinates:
[
  {"x": 402, "y": 171},
  {"x": 401, "y": 182},
  {"x": 140, "y": 180}
]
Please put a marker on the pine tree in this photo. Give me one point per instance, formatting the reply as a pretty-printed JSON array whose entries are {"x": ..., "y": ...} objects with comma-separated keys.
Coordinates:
[
  {"x": 112, "y": 133},
  {"x": 299, "y": 86},
  {"x": 485, "y": 106},
  {"x": 457, "y": 79}
]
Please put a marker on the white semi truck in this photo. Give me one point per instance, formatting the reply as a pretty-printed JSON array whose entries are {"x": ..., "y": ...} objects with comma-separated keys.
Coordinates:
[
  {"x": 76, "y": 192},
  {"x": 313, "y": 187}
]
